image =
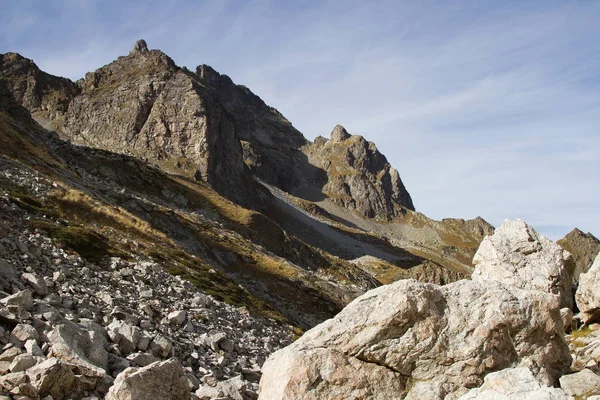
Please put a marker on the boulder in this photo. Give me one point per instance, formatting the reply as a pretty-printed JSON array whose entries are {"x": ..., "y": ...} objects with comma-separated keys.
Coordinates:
[
  {"x": 231, "y": 389},
  {"x": 125, "y": 335},
  {"x": 161, "y": 346},
  {"x": 53, "y": 378},
  {"x": 20, "y": 301},
  {"x": 22, "y": 333},
  {"x": 177, "y": 318},
  {"x": 513, "y": 384},
  {"x": 22, "y": 362},
  {"x": 80, "y": 348},
  {"x": 417, "y": 340},
  {"x": 582, "y": 383},
  {"x": 587, "y": 296},
  {"x": 518, "y": 256},
  {"x": 37, "y": 283},
  {"x": 163, "y": 380}
]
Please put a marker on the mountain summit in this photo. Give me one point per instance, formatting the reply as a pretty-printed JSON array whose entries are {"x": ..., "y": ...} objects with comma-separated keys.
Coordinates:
[{"x": 202, "y": 125}]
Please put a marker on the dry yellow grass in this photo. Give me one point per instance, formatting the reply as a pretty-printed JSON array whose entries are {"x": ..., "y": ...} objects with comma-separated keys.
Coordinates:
[{"x": 83, "y": 208}]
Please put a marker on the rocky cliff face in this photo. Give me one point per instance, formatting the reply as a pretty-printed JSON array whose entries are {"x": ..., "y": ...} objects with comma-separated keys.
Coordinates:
[
  {"x": 144, "y": 105},
  {"x": 357, "y": 176},
  {"x": 271, "y": 144},
  {"x": 346, "y": 169}
]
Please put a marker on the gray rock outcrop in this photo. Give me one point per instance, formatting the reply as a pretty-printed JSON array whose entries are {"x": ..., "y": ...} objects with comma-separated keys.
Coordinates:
[
  {"x": 587, "y": 296},
  {"x": 191, "y": 123},
  {"x": 413, "y": 340},
  {"x": 518, "y": 256},
  {"x": 357, "y": 176}
]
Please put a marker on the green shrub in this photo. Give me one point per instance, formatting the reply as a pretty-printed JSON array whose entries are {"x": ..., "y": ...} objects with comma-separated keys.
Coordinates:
[
  {"x": 31, "y": 204},
  {"x": 85, "y": 242}
]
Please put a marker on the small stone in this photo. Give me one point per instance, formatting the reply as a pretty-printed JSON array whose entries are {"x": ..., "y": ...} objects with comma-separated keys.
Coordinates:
[
  {"x": 22, "y": 362},
  {"x": 20, "y": 299},
  {"x": 22, "y": 333},
  {"x": 146, "y": 324},
  {"x": 10, "y": 354},
  {"x": 53, "y": 299},
  {"x": 176, "y": 318},
  {"x": 32, "y": 348},
  {"x": 13, "y": 380},
  {"x": 144, "y": 341},
  {"x": 142, "y": 359},
  {"x": 25, "y": 391},
  {"x": 37, "y": 283},
  {"x": 193, "y": 382},
  {"x": 59, "y": 276},
  {"x": 160, "y": 346}
]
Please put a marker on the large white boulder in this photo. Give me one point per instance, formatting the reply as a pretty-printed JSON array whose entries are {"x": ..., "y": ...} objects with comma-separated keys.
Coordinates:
[
  {"x": 514, "y": 384},
  {"x": 414, "y": 340},
  {"x": 588, "y": 292},
  {"x": 518, "y": 256},
  {"x": 163, "y": 380},
  {"x": 581, "y": 384}
]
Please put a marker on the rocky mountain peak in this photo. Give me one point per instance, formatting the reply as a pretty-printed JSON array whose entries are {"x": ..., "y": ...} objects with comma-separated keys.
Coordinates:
[
  {"x": 143, "y": 105},
  {"x": 358, "y": 176},
  {"x": 139, "y": 47},
  {"x": 584, "y": 247},
  {"x": 339, "y": 134},
  {"x": 208, "y": 74}
]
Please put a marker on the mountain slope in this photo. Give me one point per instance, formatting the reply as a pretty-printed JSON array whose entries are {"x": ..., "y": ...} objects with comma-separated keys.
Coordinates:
[
  {"x": 139, "y": 211},
  {"x": 339, "y": 195}
]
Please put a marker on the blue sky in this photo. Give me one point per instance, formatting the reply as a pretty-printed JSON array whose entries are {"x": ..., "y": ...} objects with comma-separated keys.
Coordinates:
[{"x": 487, "y": 108}]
